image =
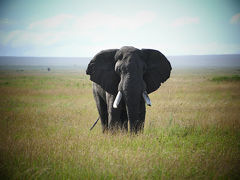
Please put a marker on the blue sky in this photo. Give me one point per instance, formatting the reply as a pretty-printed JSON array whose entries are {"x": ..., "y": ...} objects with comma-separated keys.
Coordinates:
[{"x": 84, "y": 27}]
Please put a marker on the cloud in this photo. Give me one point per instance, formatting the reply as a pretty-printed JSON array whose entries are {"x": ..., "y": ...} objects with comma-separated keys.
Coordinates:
[
  {"x": 235, "y": 19},
  {"x": 206, "y": 48},
  {"x": 104, "y": 20},
  {"x": 66, "y": 28},
  {"x": 19, "y": 38},
  {"x": 182, "y": 21},
  {"x": 93, "y": 20},
  {"x": 4, "y": 21},
  {"x": 52, "y": 22}
]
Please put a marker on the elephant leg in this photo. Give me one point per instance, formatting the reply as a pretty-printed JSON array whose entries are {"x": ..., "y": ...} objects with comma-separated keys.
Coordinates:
[
  {"x": 100, "y": 99},
  {"x": 113, "y": 114},
  {"x": 102, "y": 110}
]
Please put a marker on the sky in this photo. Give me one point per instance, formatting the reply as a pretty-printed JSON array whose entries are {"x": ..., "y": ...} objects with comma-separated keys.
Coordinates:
[{"x": 74, "y": 28}]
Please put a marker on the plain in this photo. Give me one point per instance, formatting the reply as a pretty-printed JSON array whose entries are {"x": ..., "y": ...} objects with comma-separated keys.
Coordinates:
[{"x": 191, "y": 131}]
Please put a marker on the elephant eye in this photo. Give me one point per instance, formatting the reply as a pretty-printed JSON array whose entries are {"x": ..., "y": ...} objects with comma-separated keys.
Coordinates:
[{"x": 120, "y": 57}]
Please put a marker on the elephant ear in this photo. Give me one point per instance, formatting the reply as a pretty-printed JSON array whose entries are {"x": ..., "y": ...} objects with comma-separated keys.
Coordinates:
[
  {"x": 101, "y": 70},
  {"x": 158, "y": 69}
]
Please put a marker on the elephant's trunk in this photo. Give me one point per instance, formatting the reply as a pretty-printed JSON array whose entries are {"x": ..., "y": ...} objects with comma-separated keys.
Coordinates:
[
  {"x": 133, "y": 115},
  {"x": 132, "y": 92},
  {"x": 134, "y": 102}
]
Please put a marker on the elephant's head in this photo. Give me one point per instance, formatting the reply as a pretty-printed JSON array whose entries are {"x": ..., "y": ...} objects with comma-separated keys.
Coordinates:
[{"x": 130, "y": 71}]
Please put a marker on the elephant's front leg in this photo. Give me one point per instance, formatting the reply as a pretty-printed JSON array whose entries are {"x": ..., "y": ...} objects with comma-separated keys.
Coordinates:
[
  {"x": 100, "y": 98},
  {"x": 114, "y": 114}
]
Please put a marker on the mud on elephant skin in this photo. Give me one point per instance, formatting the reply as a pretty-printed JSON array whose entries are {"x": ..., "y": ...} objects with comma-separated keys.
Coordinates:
[{"x": 122, "y": 78}]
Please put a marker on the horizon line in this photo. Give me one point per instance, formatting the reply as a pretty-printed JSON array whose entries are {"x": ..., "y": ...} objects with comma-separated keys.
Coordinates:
[{"x": 94, "y": 55}]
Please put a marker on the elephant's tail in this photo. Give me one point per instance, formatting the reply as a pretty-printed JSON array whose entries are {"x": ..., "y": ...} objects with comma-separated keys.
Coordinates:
[{"x": 94, "y": 123}]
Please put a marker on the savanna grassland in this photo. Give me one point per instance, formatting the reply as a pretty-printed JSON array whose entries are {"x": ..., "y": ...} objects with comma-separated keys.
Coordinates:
[{"x": 192, "y": 130}]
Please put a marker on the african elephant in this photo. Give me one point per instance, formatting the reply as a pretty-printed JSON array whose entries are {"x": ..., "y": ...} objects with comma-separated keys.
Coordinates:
[{"x": 122, "y": 79}]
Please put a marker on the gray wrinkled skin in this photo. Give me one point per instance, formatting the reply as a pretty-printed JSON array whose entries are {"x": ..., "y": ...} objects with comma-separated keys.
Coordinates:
[{"x": 131, "y": 71}]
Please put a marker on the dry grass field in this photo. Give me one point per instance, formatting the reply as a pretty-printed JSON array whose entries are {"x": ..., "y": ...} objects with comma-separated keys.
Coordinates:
[{"x": 192, "y": 130}]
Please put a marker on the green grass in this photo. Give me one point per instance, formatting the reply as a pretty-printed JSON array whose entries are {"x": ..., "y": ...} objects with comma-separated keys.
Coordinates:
[
  {"x": 192, "y": 130},
  {"x": 226, "y": 78}
]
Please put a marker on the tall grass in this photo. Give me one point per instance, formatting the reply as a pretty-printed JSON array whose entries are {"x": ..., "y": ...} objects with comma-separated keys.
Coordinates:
[
  {"x": 226, "y": 78},
  {"x": 191, "y": 130}
]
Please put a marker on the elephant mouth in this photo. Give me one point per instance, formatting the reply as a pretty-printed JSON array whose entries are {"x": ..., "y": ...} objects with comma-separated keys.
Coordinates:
[{"x": 119, "y": 97}]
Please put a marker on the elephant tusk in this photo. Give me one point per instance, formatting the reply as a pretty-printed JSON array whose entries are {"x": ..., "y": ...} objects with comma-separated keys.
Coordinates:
[
  {"x": 117, "y": 99},
  {"x": 146, "y": 98}
]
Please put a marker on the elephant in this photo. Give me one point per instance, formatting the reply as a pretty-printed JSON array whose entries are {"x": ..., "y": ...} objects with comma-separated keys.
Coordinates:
[{"x": 122, "y": 79}]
